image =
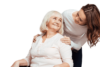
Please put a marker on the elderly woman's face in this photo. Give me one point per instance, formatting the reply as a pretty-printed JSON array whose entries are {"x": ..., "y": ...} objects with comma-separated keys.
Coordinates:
[{"x": 55, "y": 22}]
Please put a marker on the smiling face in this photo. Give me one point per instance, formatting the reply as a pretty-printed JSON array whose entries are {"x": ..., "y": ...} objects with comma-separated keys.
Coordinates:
[
  {"x": 55, "y": 22},
  {"x": 80, "y": 17}
]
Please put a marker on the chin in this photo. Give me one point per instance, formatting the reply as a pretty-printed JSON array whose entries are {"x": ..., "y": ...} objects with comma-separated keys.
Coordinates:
[{"x": 56, "y": 29}]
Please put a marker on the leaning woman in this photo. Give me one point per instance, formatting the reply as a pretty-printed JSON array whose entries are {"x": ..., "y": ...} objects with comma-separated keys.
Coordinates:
[{"x": 48, "y": 50}]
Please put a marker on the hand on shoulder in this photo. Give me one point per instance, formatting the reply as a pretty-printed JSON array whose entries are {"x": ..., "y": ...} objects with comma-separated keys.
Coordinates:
[
  {"x": 34, "y": 39},
  {"x": 66, "y": 40}
]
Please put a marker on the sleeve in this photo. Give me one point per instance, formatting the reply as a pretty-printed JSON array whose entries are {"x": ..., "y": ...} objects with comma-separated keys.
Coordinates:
[
  {"x": 66, "y": 54},
  {"x": 75, "y": 46},
  {"x": 79, "y": 43},
  {"x": 28, "y": 57}
]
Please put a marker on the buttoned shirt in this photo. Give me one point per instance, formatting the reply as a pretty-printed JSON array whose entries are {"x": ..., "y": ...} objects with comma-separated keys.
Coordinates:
[{"x": 49, "y": 53}]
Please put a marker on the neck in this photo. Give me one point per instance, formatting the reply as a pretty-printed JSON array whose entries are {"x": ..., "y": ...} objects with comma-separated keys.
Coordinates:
[{"x": 50, "y": 33}]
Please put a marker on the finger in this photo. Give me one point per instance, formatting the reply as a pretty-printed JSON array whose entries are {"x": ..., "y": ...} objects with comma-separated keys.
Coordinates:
[
  {"x": 34, "y": 37},
  {"x": 34, "y": 40},
  {"x": 63, "y": 41},
  {"x": 67, "y": 43},
  {"x": 65, "y": 38}
]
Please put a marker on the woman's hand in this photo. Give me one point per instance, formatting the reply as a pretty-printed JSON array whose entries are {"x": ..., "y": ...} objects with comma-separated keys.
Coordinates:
[
  {"x": 59, "y": 65},
  {"x": 66, "y": 40},
  {"x": 34, "y": 39},
  {"x": 15, "y": 64},
  {"x": 62, "y": 65}
]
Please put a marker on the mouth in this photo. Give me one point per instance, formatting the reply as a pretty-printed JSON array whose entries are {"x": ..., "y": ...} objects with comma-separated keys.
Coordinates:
[{"x": 56, "y": 25}]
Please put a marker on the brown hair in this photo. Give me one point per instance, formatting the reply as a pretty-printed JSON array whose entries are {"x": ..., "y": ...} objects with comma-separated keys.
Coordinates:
[{"x": 93, "y": 23}]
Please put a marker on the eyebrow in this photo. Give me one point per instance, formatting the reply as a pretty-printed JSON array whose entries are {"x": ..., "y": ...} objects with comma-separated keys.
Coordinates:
[
  {"x": 79, "y": 16},
  {"x": 57, "y": 17}
]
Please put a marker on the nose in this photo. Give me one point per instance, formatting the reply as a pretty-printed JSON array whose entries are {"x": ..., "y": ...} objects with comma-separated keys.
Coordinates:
[
  {"x": 57, "y": 21},
  {"x": 76, "y": 18}
]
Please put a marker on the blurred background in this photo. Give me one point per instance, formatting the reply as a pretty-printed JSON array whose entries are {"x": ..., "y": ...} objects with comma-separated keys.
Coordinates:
[{"x": 17, "y": 27}]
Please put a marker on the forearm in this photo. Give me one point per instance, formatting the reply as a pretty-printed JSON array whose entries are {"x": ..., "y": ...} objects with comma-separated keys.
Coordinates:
[{"x": 22, "y": 62}]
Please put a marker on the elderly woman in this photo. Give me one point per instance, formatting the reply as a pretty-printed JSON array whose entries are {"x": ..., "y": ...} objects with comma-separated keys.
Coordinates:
[{"x": 48, "y": 50}]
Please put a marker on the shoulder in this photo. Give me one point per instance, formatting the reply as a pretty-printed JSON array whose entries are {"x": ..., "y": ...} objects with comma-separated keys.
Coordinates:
[
  {"x": 67, "y": 12},
  {"x": 60, "y": 43},
  {"x": 38, "y": 37},
  {"x": 57, "y": 38},
  {"x": 32, "y": 43}
]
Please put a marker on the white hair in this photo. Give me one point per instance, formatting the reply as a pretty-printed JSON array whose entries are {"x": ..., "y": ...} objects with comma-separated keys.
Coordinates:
[{"x": 46, "y": 18}]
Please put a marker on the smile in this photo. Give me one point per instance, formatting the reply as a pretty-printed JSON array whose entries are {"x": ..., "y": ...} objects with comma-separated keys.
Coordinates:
[{"x": 56, "y": 25}]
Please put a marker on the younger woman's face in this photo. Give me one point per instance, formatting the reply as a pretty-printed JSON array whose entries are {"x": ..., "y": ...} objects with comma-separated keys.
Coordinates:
[
  {"x": 80, "y": 17},
  {"x": 55, "y": 22}
]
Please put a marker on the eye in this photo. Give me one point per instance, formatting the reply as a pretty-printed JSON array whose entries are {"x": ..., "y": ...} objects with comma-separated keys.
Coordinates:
[
  {"x": 54, "y": 18},
  {"x": 78, "y": 16},
  {"x": 77, "y": 13},
  {"x": 60, "y": 20},
  {"x": 80, "y": 20}
]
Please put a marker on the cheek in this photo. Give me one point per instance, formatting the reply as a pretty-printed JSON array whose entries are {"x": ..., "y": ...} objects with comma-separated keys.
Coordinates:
[
  {"x": 50, "y": 22},
  {"x": 76, "y": 19},
  {"x": 60, "y": 24}
]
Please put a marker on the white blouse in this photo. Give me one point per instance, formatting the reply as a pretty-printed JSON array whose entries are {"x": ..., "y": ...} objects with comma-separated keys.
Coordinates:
[
  {"x": 49, "y": 53},
  {"x": 76, "y": 32}
]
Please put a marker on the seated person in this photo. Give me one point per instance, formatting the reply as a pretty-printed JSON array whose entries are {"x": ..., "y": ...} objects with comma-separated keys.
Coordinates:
[{"x": 48, "y": 50}]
